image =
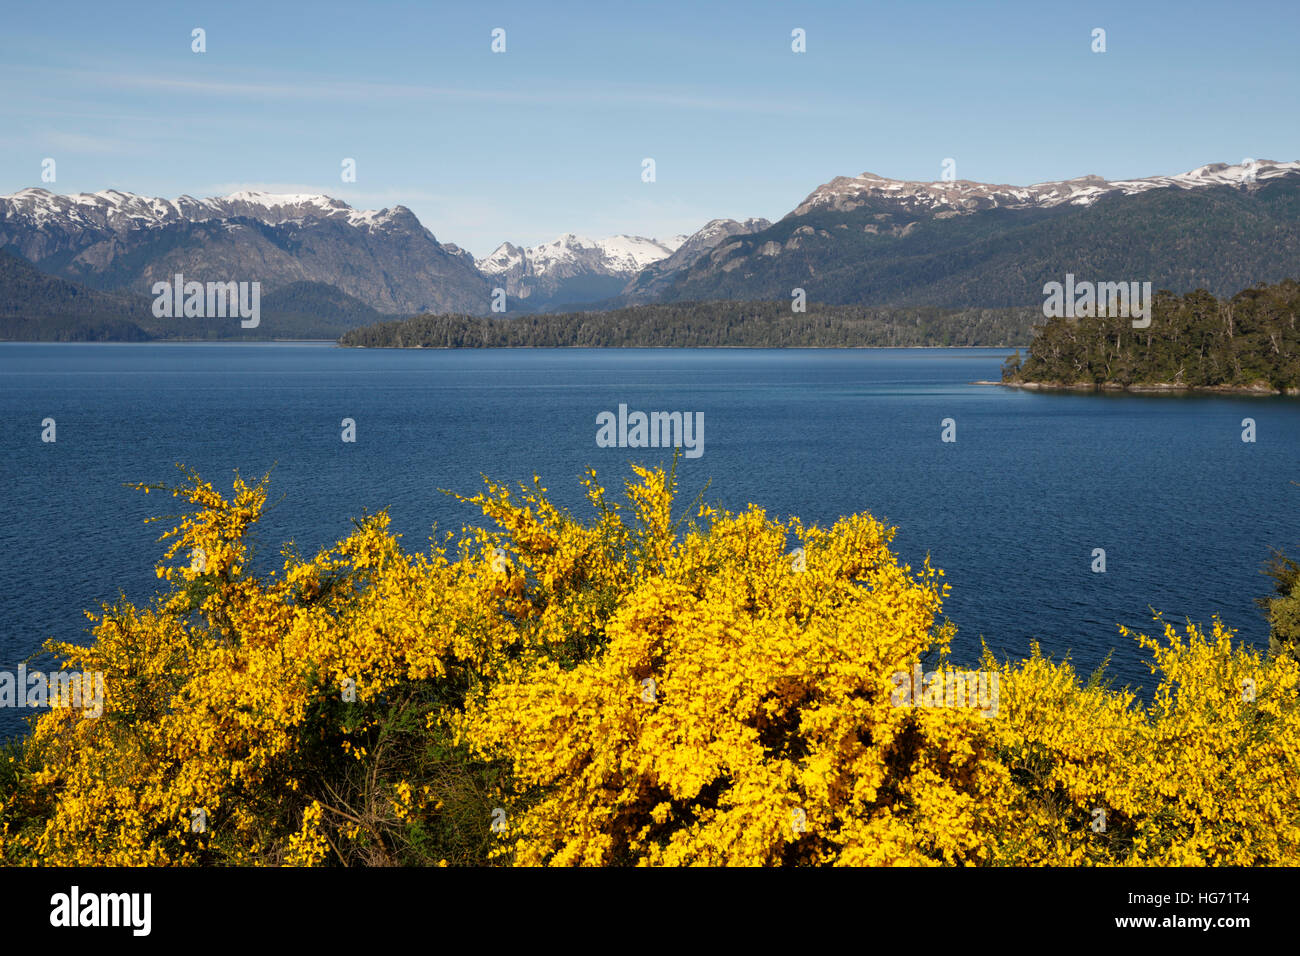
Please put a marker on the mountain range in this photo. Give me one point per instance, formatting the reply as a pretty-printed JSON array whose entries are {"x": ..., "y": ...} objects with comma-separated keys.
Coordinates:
[
  {"x": 116, "y": 241},
  {"x": 861, "y": 240},
  {"x": 873, "y": 241}
]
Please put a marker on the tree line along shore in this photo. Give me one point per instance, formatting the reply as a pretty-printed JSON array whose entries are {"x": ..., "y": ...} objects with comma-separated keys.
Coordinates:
[
  {"x": 710, "y": 324},
  {"x": 1249, "y": 343}
]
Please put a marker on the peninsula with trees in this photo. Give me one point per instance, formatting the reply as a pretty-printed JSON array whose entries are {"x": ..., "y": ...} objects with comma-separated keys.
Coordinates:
[{"x": 1248, "y": 343}]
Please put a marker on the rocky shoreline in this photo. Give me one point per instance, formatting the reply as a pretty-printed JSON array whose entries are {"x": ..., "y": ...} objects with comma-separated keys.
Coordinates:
[{"x": 1259, "y": 388}]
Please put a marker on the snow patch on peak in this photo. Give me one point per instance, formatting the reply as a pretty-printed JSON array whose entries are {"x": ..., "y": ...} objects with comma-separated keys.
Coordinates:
[
  {"x": 502, "y": 259},
  {"x": 634, "y": 253},
  {"x": 124, "y": 210},
  {"x": 571, "y": 254},
  {"x": 284, "y": 199},
  {"x": 844, "y": 193}
]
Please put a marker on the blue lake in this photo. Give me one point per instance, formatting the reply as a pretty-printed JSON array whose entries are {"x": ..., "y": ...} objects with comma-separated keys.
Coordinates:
[{"x": 1012, "y": 511}]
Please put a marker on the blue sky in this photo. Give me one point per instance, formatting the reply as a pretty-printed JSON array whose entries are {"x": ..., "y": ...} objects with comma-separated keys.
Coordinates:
[{"x": 549, "y": 136}]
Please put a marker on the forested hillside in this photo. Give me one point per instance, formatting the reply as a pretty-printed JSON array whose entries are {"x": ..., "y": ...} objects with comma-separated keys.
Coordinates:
[{"x": 38, "y": 307}]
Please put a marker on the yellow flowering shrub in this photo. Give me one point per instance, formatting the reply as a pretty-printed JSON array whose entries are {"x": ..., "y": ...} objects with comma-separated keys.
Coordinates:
[
  {"x": 275, "y": 711},
  {"x": 1207, "y": 774},
  {"x": 740, "y": 711},
  {"x": 643, "y": 687}
]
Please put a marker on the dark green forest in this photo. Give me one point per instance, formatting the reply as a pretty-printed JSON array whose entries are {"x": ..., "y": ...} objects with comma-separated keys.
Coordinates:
[
  {"x": 704, "y": 324},
  {"x": 1251, "y": 340}
]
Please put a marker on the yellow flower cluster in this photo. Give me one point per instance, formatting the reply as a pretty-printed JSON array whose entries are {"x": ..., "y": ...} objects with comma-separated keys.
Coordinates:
[
  {"x": 740, "y": 712},
  {"x": 1207, "y": 774},
  {"x": 640, "y": 688}
]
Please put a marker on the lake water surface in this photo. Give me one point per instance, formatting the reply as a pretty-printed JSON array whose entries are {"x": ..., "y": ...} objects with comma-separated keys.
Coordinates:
[{"x": 1185, "y": 510}]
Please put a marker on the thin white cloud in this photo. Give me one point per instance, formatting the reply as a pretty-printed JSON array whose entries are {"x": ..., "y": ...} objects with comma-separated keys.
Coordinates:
[
  {"x": 55, "y": 141},
  {"x": 336, "y": 91},
  {"x": 83, "y": 143}
]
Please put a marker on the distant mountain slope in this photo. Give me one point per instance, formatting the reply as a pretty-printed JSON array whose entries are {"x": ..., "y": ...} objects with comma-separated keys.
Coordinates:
[
  {"x": 39, "y": 307},
  {"x": 118, "y": 241},
  {"x": 309, "y": 310},
  {"x": 571, "y": 269},
  {"x": 873, "y": 241},
  {"x": 35, "y": 306},
  {"x": 657, "y": 277}
]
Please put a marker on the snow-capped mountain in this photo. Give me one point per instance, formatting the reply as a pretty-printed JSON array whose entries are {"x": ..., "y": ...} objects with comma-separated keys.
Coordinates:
[
  {"x": 573, "y": 268},
  {"x": 844, "y": 193},
  {"x": 120, "y": 241},
  {"x": 875, "y": 241}
]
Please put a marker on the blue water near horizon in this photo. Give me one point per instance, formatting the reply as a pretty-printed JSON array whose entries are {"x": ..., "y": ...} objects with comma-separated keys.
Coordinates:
[{"x": 1012, "y": 511}]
